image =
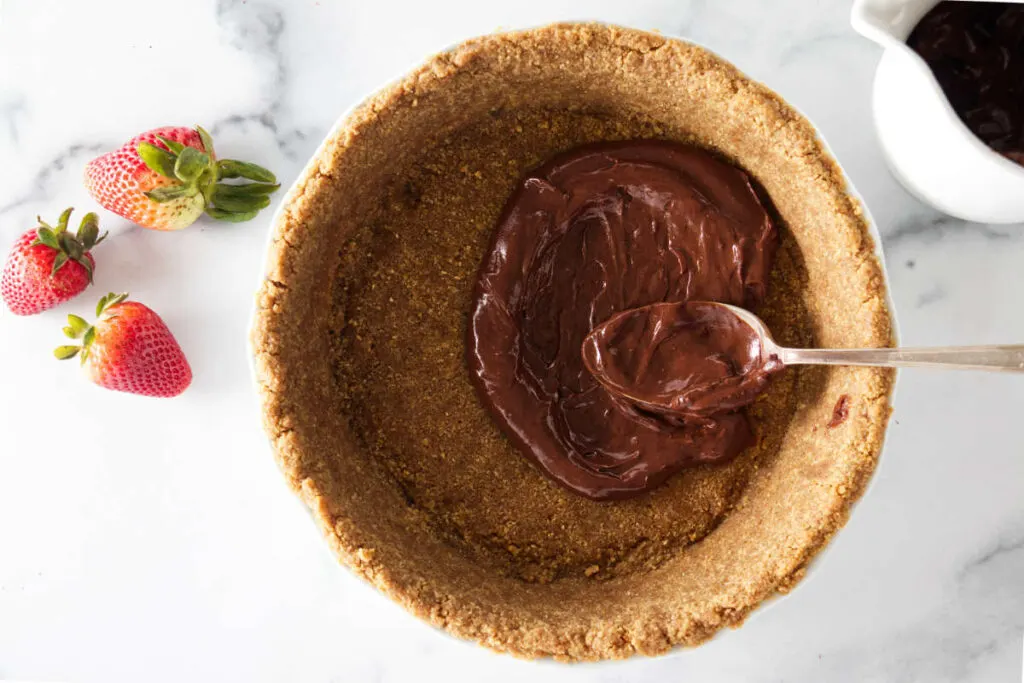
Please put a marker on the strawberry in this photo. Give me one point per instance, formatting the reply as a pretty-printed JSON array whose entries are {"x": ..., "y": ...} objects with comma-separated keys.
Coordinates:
[
  {"x": 128, "y": 349},
  {"x": 165, "y": 179},
  {"x": 48, "y": 266}
]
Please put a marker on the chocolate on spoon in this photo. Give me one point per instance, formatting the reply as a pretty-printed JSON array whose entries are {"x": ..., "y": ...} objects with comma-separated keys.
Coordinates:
[{"x": 688, "y": 359}]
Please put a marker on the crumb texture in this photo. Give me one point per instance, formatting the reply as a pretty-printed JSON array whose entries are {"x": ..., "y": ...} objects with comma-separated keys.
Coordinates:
[{"x": 359, "y": 345}]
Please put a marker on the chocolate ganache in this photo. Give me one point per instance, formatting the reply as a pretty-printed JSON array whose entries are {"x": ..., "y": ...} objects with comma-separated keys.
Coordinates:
[{"x": 593, "y": 232}]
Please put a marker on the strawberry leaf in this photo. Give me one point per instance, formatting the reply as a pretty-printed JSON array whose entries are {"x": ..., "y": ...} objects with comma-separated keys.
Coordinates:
[
  {"x": 58, "y": 262},
  {"x": 167, "y": 194},
  {"x": 62, "y": 222},
  {"x": 191, "y": 162},
  {"x": 175, "y": 147},
  {"x": 101, "y": 306},
  {"x": 86, "y": 265},
  {"x": 89, "y": 230},
  {"x": 231, "y": 216},
  {"x": 229, "y": 168},
  {"x": 206, "y": 139},
  {"x": 158, "y": 160},
  {"x": 47, "y": 237},
  {"x": 73, "y": 248},
  {"x": 77, "y": 325},
  {"x": 248, "y": 190},
  {"x": 65, "y": 241},
  {"x": 206, "y": 184},
  {"x": 241, "y": 204},
  {"x": 108, "y": 300},
  {"x": 66, "y": 352},
  {"x": 90, "y": 336}
]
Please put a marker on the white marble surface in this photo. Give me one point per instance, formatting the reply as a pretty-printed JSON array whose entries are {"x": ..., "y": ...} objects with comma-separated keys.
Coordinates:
[{"x": 155, "y": 541}]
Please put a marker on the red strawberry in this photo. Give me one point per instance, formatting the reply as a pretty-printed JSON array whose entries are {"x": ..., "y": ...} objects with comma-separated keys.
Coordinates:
[
  {"x": 48, "y": 266},
  {"x": 165, "y": 179},
  {"x": 128, "y": 349}
]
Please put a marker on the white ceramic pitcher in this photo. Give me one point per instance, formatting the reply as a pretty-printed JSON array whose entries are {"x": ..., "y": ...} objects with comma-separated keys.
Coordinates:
[{"x": 929, "y": 149}]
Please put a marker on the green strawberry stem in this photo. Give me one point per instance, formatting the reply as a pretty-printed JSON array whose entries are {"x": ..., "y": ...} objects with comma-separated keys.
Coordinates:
[
  {"x": 70, "y": 247},
  {"x": 66, "y": 352},
  {"x": 196, "y": 171},
  {"x": 80, "y": 329}
]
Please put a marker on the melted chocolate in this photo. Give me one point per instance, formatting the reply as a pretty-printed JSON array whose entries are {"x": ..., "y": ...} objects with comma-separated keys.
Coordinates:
[
  {"x": 976, "y": 51},
  {"x": 689, "y": 361},
  {"x": 595, "y": 231}
]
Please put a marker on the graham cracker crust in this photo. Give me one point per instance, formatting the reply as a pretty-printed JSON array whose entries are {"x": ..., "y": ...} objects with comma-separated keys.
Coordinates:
[{"x": 359, "y": 354}]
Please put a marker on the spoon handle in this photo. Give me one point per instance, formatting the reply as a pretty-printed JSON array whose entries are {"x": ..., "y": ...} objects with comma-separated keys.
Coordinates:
[{"x": 997, "y": 358}]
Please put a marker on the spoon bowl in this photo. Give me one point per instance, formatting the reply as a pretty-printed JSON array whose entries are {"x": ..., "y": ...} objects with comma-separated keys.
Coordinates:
[{"x": 683, "y": 359}]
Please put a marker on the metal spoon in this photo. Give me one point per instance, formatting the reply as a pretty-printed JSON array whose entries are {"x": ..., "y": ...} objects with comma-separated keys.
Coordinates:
[
  {"x": 1000, "y": 358},
  {"x": 695, "y": 359}
]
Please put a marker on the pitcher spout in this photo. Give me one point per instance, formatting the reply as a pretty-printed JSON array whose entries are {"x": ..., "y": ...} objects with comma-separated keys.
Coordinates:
[{"x": 888, "y": 22}]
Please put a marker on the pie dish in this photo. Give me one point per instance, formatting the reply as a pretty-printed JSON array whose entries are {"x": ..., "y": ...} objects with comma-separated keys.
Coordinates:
[{"x": 358, "y": 346}]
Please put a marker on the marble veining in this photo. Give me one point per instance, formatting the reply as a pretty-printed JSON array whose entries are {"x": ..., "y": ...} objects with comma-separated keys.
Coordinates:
[
  {"x": 256, "y": 29},
  {"x": 45, "y": 178},
  {"x": 931, "y": 229},
  {"x": 156, "y": 541}
]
